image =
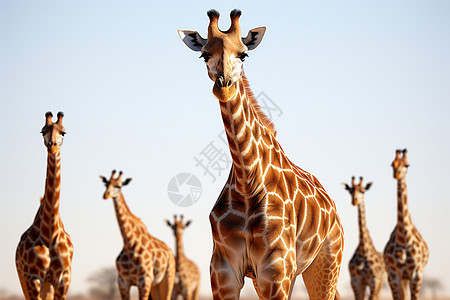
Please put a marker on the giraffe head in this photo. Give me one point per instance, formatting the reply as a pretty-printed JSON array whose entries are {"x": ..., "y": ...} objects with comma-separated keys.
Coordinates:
[
  {"x": 223, "y": 51},
  {"x": 178, "y": 225},
  {"x": 357, "y": 190},
  {"x": 53, "y": 133},
  {"x": 400, "y": 164},
  {"x": 114, "y": 185}
]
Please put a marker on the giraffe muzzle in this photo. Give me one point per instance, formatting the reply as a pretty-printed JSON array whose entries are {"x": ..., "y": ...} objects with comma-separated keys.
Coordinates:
[{"x": 223, "y": 83}]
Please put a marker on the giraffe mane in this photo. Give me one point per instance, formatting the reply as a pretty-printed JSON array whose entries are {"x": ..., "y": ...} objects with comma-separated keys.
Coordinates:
[{"x": 265, "y": 120}]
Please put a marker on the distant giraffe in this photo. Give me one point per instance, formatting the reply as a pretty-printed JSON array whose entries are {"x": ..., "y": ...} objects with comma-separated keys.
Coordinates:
[
  {"x": 367, "y": 264},
  {"x": 44, "y": 254},
  {"x": 272, "y": 220},
  {"x": 187, "y": 282},
  {"x": 406, "y": 253},
  {"x": 144, "y": 261}
]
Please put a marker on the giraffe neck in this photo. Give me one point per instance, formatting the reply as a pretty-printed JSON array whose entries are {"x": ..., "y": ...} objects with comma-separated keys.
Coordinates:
[
  {"x": 364, "y": 236},
  {"x": 246, "y": 135},
  {"x": 404, "y": 221},
  {"x": 179, "y": 251},
  {"x": 127, "y": 224},
  {"x": 50, "y": 222}
]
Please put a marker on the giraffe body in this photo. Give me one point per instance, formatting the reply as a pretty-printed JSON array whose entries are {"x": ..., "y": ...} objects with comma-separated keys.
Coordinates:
[
  {"x": 406, "y": 253},
  {"x": 44, "y": 253},
  {"x": 145, "y": 261},
  {"x": 272, "y": 220},
  {"x": 187, "y": 282},
  {"x": 366, "y": 266}
]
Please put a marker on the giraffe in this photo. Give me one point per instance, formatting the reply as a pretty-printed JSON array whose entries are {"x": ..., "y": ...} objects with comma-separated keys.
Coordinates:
[
  {"x": 367, "y": 264},
  {"x": 272, "y": 221},
  {"x": 406, "y": 252},
  {"x": 145, "y": 261},
  {"x": 44, "y": 253},
  {"x": 187, "y": 282}
]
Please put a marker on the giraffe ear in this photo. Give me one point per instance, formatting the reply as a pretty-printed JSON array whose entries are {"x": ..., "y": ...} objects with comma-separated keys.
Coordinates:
[
  {"x": 192, "y": 39},
  {"x": 368, "y": 185},
  {"x": 346, "y": 187},
  {"x": 254, "y": 37},
  {"x": 187, "y": 223},
  {"x": 103, "y": 178},
  {"x": 127, "y": 181},
  {"x": 168, "y": 222}
]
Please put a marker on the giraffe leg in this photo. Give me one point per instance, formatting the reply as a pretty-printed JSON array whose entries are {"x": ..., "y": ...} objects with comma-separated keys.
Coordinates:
[
  {"x": 32, "y": 289},
  {"x": 165, "y": 288},
  {"x": 358, "y": 288},
  {"x": 415, "y": 284},
  {"x": 145, "y": 288},
  {"x": 225, "y": 282},
  {"x": 275, "y": 278},
  {"x": 196, "y": 292},
  {"x": 375, "y": 288},
  {"x": 397, "y": 285},
  {"x": 322, "y": 275},
  {"x": 61, "y": 287},
  {"x": 124, "y": 288}
]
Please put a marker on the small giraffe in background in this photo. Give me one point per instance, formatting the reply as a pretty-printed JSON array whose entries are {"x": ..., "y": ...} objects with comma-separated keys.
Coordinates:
[
  {"x": 144, "y": 261},
  {"x": 44, "y": 254},
  {"x": 187, "y": 282},
  {"x": 272, "y": 221},
  {"x": 367, "y": 264},
  {"x": 406, "y": 253}
]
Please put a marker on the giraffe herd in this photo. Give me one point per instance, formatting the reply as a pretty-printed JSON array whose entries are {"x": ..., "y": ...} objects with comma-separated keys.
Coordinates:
[{"x": 272, "y": 221}]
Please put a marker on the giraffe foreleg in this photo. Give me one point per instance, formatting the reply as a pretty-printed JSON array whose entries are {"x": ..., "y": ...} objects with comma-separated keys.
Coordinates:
[
  {"x": 145, "y": 288},
  {"x": 275, "y": 277},
  {"x": 32, "y": 288},
  {"x": 124, "y": 288},
  {"x": 226, "y": 283},
  {"x": 415, "y": 284},
  {"x": 322, "y": 275},
  {"x": 60, "y": 286},
  {"x": 358, "y": 288},
  {"x": 375, "y": 286},
  {"x": 397, "y": 285}
]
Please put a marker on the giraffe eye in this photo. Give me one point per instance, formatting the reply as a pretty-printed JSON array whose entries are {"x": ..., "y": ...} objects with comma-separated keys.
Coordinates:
[
  {"x": 205, "y": 56},
  {"x": 243, "y": 56},
  {"x": 63, "y": 133}
]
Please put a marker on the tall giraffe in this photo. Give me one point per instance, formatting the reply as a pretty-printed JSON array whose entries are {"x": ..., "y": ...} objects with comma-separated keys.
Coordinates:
[
  {"x": 272, "y": 220},
  {"x": 44, "y": 254},
  {"x": 406, "y": 253},
  {"x": 145, "y": 261},
  {"x": 367, "y": 264},
  {"x": 187, "y": 282}
]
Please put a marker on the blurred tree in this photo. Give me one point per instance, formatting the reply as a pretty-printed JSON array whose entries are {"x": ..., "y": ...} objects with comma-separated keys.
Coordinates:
[
  {"x": 432, "y": 284},
  {"x": 104, "y": 284}
]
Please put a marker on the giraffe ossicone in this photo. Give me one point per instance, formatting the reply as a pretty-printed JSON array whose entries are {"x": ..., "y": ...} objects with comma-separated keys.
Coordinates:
[
  {"x": 366, "y": 266},
  {"x": 272, "y": 220},
  {"x": 145, "y": 261},
  {"x": 44, "y": 253}
]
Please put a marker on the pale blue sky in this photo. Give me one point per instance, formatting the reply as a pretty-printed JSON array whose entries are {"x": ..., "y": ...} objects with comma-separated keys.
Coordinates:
[{"x": 354, "y": 80}]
